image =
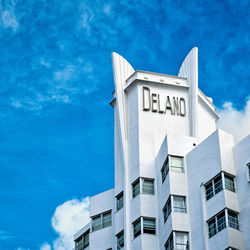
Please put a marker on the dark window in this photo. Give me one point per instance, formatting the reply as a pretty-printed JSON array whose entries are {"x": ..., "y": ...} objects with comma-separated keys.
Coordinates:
[
  {"x": 120, "y": 240},
  {"x": 170, "y": 243},
  {"x": 101, "y": 221},
  {"x": 216, "y": 224},
  {"x": 212, "y": 227},
  {"x": 218, "y": 184},
  {"x": 119, "y": 201},
  {"x": 233, "y": 220},
  {"x": 136, "y": 188},
  {"x": 96, "y": 223},
  {"x": 167, "y": 209},
  {"x": 82, "y": 242},
  {"x": 164, "y": 170},
  {"x": 148, "y": 226},
  {"x": 137, "y": 227},
  {"x": 209, "y": 190},
  {"x": 221, "y": 221}
]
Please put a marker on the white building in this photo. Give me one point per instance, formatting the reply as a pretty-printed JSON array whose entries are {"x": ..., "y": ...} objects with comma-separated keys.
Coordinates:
[{"x": 180, "y": 183}]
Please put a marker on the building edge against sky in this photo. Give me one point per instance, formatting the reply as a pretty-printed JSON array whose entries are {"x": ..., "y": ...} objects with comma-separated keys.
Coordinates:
[{"x": 180, "y": 183}]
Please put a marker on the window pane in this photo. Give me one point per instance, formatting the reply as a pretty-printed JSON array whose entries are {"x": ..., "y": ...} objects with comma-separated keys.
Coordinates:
[
  {"x": 96, "y": 223},
  {"x": 229, "y": 183},
  {"x": 218, "y": 184},
  {"x": 164, "y": 170},
  {"x": 176, "y": 164},
  {"x": 107, "y": 219},
  {"x": 212, "y": 228},
  {"x": 119, "y": 201},
  {"x": 181, "y": 240},
  {"x": 167, "y": 209},
  {"x": 179, "y": 204},
  {"x": 149, "y": 226},
  {"x": 136, "y": 188},
  {"x": 170, "y": 244},
  {"x": 79, "y": 244},
  {"x": 86, "y": 240},
  {"x": 120, "y": 240},
  {"x": 209, "y": 190},
  {"x": 221, "y": 221},
  {"x": 137, "y": 228},
  {"x": 233, "y": 220},
  {"x": 148, "y": 186}
]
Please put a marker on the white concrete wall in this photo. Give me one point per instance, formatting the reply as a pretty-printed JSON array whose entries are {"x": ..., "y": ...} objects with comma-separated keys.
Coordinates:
[{"x": 242, "y": 157}]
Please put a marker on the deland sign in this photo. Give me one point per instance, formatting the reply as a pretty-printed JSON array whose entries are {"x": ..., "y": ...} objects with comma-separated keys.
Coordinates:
[{"x": 155, "y": 103}]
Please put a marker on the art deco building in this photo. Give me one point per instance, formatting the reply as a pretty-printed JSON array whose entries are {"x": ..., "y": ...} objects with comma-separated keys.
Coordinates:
[{"x": 180, "y": 183}]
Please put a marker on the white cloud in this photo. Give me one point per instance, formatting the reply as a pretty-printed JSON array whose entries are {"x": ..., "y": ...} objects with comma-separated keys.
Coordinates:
[
  {"x": 236, "y": 122},
  {"x": 9, "y": 20},
  {"x": 45, "y": 246},
  {"x": 68, "y": 218}
]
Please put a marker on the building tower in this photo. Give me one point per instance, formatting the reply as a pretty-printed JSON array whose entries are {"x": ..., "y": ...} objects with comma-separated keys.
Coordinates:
[{"x": 180, "y": 183}]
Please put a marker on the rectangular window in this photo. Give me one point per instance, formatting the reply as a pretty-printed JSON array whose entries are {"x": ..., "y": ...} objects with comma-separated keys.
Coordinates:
[
  {"x": 119, "y": 201},
  {"x": 96, "y": 223},
  {"x": 180, "y": 204},
  {"x": 164, "y": 170},
  {"x": 177, "y": 164},
  {"x": 248, "y": 166},
  {"x": 136, "y": 188},
  {"x": 181, "y": 240},
  {"x": 107, "y": 219},
  {"x": 218, "y": 184},
  {"x": 213, "y": 187},
  {"x": 170, "y": 243},
  {"x": 86, "y": 240},
  {"x": 120, "y": 240},
  {"x": 147, "y": 186},
  {"x": 148, "y": 226},
  {"x": 137, "y": 227},
  {"x": 167, "y": 209},
  {"x": 101, "y": 221},
  {"x": 216, "y": 224},
  {"x": 233, "y": 220},
  {"x": 229, "y": 182},
  {"x": 79, "y": 243},
  {"x": 221, "y": 221}
]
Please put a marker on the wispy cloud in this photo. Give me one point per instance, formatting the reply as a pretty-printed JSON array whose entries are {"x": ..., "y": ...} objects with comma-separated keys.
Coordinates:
[
  {"x": 68, "y": 218},
  {"x": 8, "y": 17},
  {"x": 5, "y": 235},
  {"x": 235, "y": 121}
]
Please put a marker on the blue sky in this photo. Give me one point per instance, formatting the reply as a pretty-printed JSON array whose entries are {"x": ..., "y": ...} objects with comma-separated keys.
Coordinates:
[{"x": 56, "y": 126}]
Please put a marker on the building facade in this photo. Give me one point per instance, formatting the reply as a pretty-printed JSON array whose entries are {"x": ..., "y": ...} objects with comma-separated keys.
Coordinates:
[{"x": 180, "y": 183}]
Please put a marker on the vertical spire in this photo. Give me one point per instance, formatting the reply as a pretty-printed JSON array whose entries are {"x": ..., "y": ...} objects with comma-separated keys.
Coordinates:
[
  {"x": 189, "y": 70},
  {"x": 122, "y": 70}
]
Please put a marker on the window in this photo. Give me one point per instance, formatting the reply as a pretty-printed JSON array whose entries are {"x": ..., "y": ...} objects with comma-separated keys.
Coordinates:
[
  {"x": 233, "y": 220},
  {"x": 248, "y": 171},
  {"x": 180, "y": 204},
  {"x": 119, "y": 201},
  {"x": 181, "y": 240},
  {"x": 218, "y": 184},
  {"x": 177, "y": 240},
  {"x": 147, "y": 186},
  {"x": 148, "y": 226},
  {"x": 164, "y": 170},
  {"x": 101, "y": 221},
  {"x": 229, "y": 182},
  {"x": 82, "y": 242},
  {"x": 106, "y": 219},
  {"x": 120, "y": 240},
  {"x": 170, "y": 243},
  {"x": 213, "y": 187},
  {"x": 137, "y": 227},
  {"x": 218, "y": 222},
  {"x": 176, "y": 164},
  {"x": 96, "y": 223},
  {"x": 144, "y": 185},
  {"x": 167, "y": 209},
  {"x": 136, "y": 188}
]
